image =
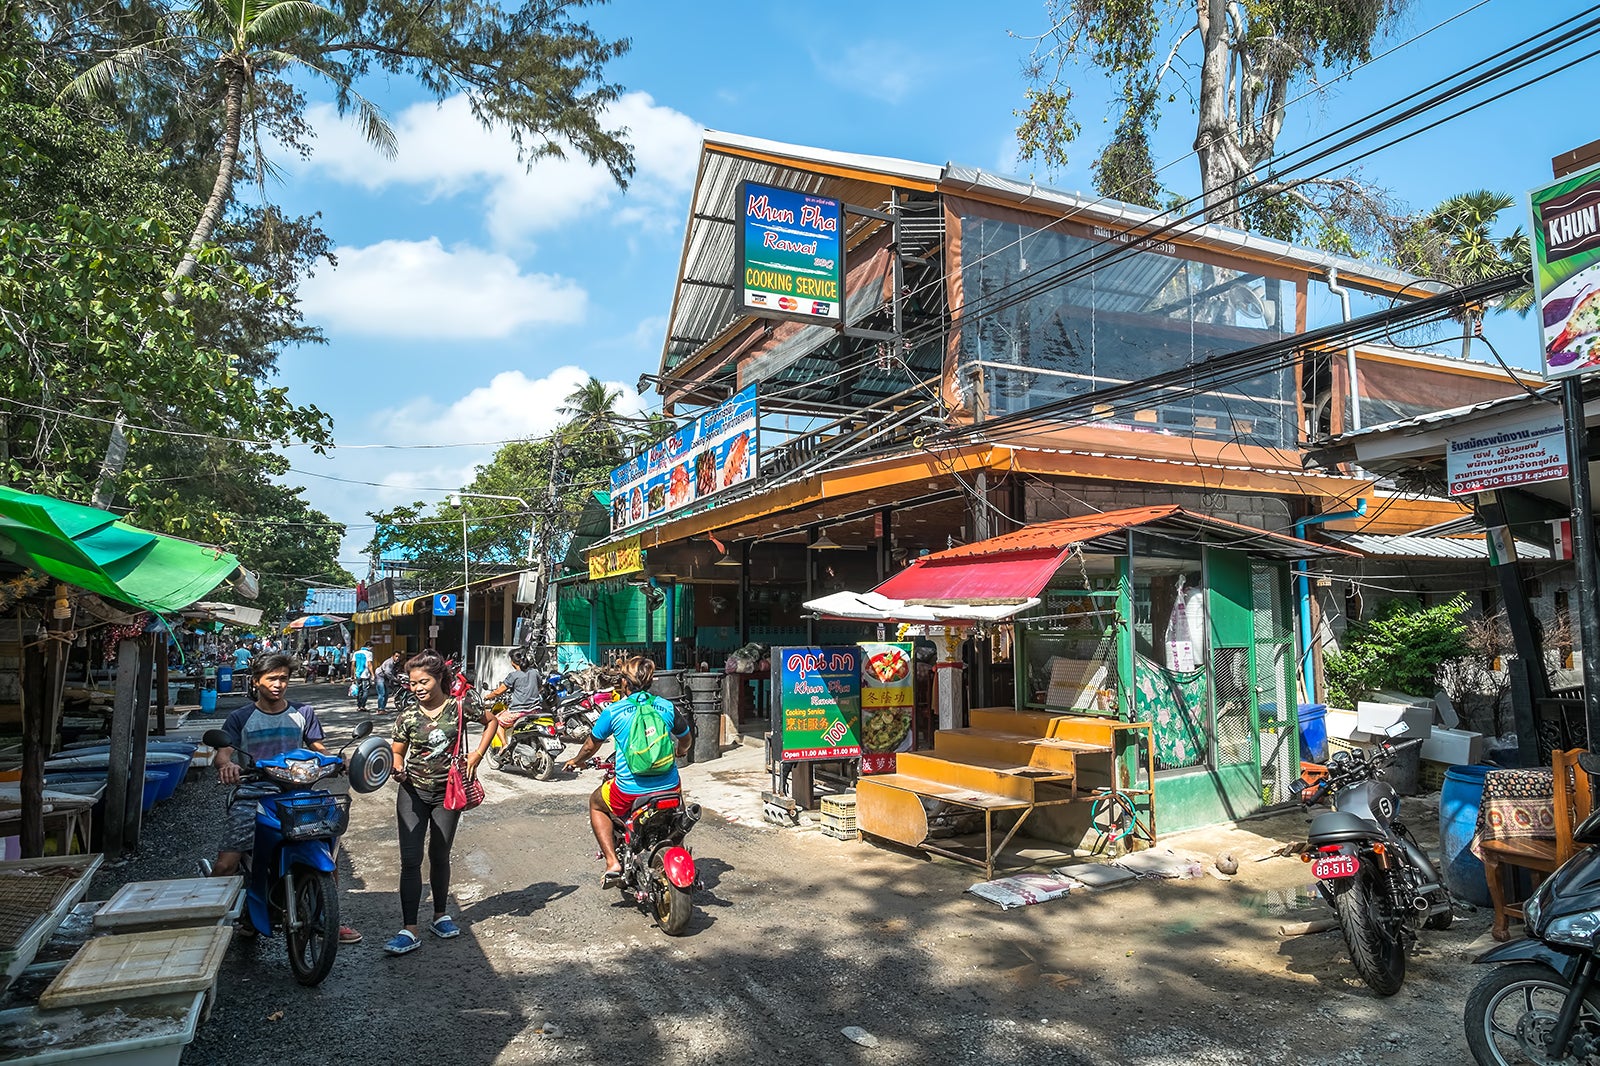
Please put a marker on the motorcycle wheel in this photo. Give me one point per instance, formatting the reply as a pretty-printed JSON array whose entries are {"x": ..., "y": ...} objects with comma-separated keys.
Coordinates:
[
  {"x": 1510, "y": 1013},
  {"x": 544, "y": 765},
  {"x": 575, "y": 729},
  {"x": 1376, "y": 948},
  {"x": 314, "y": 943},
  {"x": 673, "y": 905}
]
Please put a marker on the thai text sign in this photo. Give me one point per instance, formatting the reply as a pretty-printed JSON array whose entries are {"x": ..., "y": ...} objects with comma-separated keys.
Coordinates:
[
  {"x": 621, "y": 558},
  {"x": 888, "y": 699},
  {"x": 1516, "y": 455},
  {"x": 818, "y": 702},
  {"x": 1566, "y": 271},
  {"x": 714, "y": 452},
  {"x": 791, "y": 253}
]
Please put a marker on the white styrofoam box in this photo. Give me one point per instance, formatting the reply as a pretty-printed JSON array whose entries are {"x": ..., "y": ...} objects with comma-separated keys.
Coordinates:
[
  {"x": 1377, "y": 718},
  {"x": 1456, "y": 747},
  {"x": 1342, "y": 725}
]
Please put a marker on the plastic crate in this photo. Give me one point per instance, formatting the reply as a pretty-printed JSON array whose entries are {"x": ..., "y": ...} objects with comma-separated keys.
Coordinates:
[
  {"x": 1430, "y": 775},
  {"x": 313, "y": 817}
]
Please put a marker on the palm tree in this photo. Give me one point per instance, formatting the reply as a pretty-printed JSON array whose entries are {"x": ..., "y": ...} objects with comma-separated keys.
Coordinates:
[
  {"x": 1466, "y": 250},
  {"x": 240, "y": 41},
  {"x": 591, "y": 408}
]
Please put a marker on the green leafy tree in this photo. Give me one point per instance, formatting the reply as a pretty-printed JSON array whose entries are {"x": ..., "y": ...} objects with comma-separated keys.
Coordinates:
[
  {"x": 1235, "y": 64},
  {"x": 1406, "y": 647}
]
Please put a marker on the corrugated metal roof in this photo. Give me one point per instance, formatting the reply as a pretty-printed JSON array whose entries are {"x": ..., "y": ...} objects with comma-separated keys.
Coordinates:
[
  {"x": 1412, "y": 546},
  {"x": 702, "y": 313},
  {"x": 1103, "y": 532}
]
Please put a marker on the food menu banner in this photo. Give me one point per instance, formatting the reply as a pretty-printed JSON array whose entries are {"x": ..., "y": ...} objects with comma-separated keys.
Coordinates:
[
  {"x": 714, "y": 452},
  {"x": 818, "y": 700},
  {"x": 888, "y": 699},
  {"x": 791, "y": 254},
  {"x": 1566, "y": 272}
]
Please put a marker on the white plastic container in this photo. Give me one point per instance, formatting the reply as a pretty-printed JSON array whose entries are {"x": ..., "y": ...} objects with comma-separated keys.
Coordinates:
[
  {"x": 1379, "y": 718},
  {"x": 154, "y": 1031},
  {"x": 1342, "y": 725},
  {"x": 1453, "y": 747}
]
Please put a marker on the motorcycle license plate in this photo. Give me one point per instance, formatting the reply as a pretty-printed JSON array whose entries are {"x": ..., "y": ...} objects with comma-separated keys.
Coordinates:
[{"x": 1333, "y": 867}]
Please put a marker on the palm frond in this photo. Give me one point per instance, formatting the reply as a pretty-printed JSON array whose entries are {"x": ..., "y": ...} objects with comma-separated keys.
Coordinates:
[
  {"x": 99, "y": 81},
  {"x": 287, "y": 19},
  {"x": 374, "y": 126}
]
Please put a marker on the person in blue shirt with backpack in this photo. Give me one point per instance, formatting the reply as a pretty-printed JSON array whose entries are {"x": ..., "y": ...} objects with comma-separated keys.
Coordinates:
[{"x": 647, "y": 731}]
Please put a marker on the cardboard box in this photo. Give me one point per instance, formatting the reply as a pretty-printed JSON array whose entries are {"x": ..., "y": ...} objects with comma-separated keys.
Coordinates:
[
  {"x": 1453, "y": 747},
  {"x": 1378, "y": 718}
]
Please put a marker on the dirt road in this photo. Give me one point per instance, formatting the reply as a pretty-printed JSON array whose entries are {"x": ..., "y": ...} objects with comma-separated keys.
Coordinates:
[{"x": 798, "y": 936}]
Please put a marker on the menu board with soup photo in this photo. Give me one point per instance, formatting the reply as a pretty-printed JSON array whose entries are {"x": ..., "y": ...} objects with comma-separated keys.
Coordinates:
[{"x": 888, "y": 698}]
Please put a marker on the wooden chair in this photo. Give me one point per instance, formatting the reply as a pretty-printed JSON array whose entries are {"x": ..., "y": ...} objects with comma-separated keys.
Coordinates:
[{"x": 1573, "y": 802}]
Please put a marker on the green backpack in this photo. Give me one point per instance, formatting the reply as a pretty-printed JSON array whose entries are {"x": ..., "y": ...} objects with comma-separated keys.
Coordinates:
[{"x": 650, "y": 747}]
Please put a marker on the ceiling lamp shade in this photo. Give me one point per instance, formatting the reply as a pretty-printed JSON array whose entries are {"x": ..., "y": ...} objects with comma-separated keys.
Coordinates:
[
  {"x": 727, "y": 559},
  {"x": 823, "y": 543}
]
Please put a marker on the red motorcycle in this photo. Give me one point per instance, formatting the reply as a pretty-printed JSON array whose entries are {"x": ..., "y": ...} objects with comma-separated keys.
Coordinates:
[{"x": 657, "y": 868}]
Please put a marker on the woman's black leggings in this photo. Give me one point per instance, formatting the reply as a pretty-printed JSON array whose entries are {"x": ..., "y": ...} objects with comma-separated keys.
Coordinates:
[{"x": 416, "y": 812}]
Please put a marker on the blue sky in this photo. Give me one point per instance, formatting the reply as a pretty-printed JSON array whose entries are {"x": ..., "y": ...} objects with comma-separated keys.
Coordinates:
[{"x": 471, "y": 295}]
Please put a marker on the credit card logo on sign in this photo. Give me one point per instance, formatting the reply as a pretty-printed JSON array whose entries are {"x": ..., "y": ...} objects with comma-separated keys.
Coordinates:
[
  {"x": 759, "y": 299},
  {"x": 819, "y": 308},
  {"x": 788, "y": 303}
]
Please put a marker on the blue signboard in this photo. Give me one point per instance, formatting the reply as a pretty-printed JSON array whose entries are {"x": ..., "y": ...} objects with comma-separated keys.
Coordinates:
[
  {"x": 714, "y": 452},
  {"x": 791, "y": 254},
  {"x": 444, "y": 604}
]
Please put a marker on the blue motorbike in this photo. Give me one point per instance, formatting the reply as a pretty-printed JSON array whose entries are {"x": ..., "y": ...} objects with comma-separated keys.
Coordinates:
[{"x": 289, "y": 875}]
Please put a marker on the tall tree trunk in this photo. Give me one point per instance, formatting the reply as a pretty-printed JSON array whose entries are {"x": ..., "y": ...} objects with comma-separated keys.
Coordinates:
[
  {"x": 1217, "y": 173},
  {"x": 221, "y": 193}
]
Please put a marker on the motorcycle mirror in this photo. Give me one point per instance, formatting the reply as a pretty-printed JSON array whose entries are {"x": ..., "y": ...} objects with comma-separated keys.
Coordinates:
[
  {"x": 216, "y": 738},
  {"x": 1398, "y": 729},
  {"x": 363, "y": 730}
]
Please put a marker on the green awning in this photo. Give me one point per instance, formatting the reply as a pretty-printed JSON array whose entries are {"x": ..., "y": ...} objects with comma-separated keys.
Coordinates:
[{"x": 92, "y": 549}]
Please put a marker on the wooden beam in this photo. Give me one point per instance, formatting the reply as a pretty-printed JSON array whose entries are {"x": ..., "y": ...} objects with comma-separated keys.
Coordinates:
[
  {"x": 121, "y": 748},
  {"x": 35, "y": 722},
  {"x": 1581, "y": 158},
  {"x": 133, "y": 821}
]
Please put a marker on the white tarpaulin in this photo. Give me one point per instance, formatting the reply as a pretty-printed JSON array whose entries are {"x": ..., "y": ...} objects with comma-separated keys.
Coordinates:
[
  {"x": 871, "y": 607},
  {"x": 225, "y": 612}
]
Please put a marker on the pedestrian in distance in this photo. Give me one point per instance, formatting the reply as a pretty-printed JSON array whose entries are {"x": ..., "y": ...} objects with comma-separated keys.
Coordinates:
[
  {"x": 263, "y": 729},
  {"x": 390, "y": 677},
  {"x": 424, "y": 740},
  {"x": 361, "y": 675}
]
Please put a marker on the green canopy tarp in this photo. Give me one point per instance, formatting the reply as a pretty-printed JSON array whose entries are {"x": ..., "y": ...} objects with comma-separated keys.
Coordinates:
[{"x": 92, "y": 549}]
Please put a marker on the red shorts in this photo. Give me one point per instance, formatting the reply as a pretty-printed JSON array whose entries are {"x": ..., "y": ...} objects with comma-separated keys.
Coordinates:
[{"x": 620, "y": 802}]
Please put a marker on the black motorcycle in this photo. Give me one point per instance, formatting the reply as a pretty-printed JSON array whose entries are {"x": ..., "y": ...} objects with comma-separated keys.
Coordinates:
[
  {"x": 1370, "y": 869},
  {"x": 1542, "y": 1004}
]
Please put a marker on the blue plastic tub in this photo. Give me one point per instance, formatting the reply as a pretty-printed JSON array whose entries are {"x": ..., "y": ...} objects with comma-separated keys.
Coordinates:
[
  {"x": 171, "y": 766},
  {"x": 1314, "y": 732},
  {"x": 1458, "y": 819},
  {"x": 224, "y": 679},
  {"x": 152, "y": 782}
]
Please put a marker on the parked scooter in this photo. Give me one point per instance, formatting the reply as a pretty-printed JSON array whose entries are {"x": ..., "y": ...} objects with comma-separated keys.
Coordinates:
[
  {"x": 657, "y": 868},
  {"x": 1370, "y": 869},
  {"x": 1542, "y": 1004},
  {"x": 531, "y": 742},
  {"x": 572, "y": 706},
  {"x": 289, "y": 873}
]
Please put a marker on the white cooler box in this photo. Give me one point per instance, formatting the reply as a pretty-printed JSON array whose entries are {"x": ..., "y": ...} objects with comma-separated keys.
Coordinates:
[
  {"x": 1378, "y": 718},
  {"x": 1453, "y": 747}
]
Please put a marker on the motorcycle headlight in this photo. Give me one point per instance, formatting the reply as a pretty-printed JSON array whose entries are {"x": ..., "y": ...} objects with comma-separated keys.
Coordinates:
[
  {"x": 1530, "y": 912},
  {"x": 1576, "y": 929}
]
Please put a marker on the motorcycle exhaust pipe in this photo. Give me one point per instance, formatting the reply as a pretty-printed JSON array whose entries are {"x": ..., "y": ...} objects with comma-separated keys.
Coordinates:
[{"x": 1421, "y": 905}]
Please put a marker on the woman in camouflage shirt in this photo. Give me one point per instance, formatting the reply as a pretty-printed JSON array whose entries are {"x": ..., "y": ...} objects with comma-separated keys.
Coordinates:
[{"x": 423, "y": 741}]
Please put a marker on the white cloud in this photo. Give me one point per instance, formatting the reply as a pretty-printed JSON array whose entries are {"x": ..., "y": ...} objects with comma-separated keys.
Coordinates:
[
  {"x": 420, "y": 289},
  {"x": 444, "y": 150},
  {"x": 510, "y": 407},
  {"x": 879, "y": 70}
]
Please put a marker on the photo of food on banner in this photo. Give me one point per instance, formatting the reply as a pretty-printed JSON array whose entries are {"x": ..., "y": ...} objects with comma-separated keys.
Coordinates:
[{"x": 888, "y": 698}]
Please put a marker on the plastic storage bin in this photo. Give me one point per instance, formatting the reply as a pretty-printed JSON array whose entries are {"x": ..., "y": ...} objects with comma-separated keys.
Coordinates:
[
  {"x": 1313, "y": 732},
  {"x": 1458, "y": 819}
]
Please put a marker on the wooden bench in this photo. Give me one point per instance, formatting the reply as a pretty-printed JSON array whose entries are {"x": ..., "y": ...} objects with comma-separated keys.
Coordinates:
[{"x": 1006, "y": 761}]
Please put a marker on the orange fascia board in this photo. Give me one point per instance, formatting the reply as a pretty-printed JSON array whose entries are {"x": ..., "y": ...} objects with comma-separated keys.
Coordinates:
[
  {"x": 831, "y": 169},
  {"x": 1099, "y": 439},
  {"x": 1435, "y": 364},
  {"x": 1178, "y": 474},
  {"x": 1394, "y": 515},
  {"x": 830, "y": 485}
]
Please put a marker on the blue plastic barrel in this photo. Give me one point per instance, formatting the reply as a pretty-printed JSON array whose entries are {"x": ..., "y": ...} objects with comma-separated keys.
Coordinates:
[
  {"x": 1314, "y": 732},
  {"x": 1458, "y": 818},
  {"x": 224, "y": 679},
  {"x": 208, "y": 700}
]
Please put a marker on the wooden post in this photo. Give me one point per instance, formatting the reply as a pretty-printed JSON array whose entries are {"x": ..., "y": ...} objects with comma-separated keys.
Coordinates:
[
  {"x": 134, "y": 819},
  {"x": 163, "y": 686},
  {"x": 121, "y": 748},
  {"x": 35, "y": 724},
  {"x": 508, "y": 616}
]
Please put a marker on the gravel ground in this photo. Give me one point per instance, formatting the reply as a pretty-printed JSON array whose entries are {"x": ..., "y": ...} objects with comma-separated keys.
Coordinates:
[{"x": 798, "y": 936}]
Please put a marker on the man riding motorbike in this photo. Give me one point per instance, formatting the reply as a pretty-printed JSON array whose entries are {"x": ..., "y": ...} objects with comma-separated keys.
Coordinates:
[
  {"x": 615, "y": 796},
  {"x": 264, "y": 729}
]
